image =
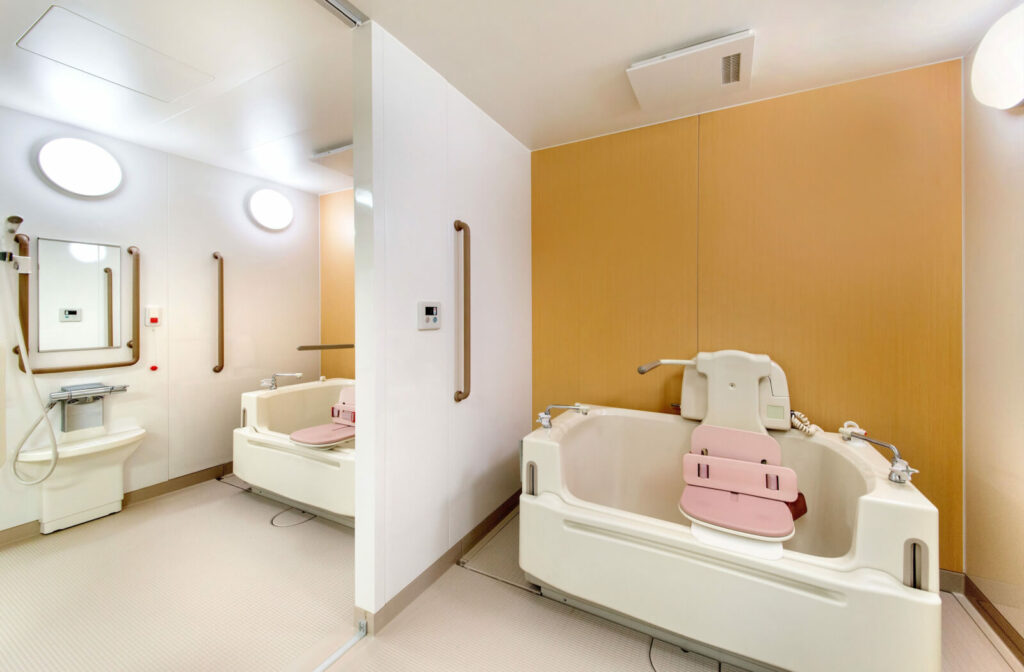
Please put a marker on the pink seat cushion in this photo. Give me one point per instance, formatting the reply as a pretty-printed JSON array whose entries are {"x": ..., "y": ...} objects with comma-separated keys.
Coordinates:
[
  {"x": 735, "y": 444},
  {"x": 743, "y": 513},
  {"x": 323, "y": 435}
]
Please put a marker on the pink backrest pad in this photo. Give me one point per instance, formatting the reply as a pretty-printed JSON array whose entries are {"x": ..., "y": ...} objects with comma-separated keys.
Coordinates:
[
  {"x": 323, "y": 435},
  {"x": 751, "y": 478},
  {"x": 735, "y": 444},
  {"x": 743, "y": 513}
]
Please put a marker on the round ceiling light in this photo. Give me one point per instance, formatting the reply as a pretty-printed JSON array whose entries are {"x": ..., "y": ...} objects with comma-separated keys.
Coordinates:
[
  {"x": 80, "y": 167},
  {"x": 271, "y": 209},
  {"x": 997, "y": 75}
]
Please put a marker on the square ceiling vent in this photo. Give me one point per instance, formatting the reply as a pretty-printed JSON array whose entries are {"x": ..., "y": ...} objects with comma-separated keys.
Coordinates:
[
  {"x": 85, "y": 45},
  {"x": 693, "y": 74}
]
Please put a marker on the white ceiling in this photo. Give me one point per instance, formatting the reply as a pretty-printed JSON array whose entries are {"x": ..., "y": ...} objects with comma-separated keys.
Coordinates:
[
  {"x": 553, "y": 71},
  {"x": 549, "y": 71},
  {"x": 281, "y": 88}
]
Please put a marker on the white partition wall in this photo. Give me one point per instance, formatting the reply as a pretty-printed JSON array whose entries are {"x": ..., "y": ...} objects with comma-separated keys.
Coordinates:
[{"x": 430, "y": 469}]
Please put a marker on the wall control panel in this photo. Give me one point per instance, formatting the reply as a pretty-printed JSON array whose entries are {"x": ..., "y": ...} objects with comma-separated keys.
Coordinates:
[
  {"x": 70, "y": 315},
  {"x": 428, "y": 315}
]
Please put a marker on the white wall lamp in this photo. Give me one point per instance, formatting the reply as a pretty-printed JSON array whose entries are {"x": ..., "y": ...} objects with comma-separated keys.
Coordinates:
[
  {"x": 271, "y": 209},
  {"x": 80, "y": 167},
  {"x": 997, "y": 75}
]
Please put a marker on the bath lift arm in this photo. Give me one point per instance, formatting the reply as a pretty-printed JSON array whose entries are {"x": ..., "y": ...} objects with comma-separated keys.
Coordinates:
[
  {"x": 658, "y": 362},
  {"x": 545, "y": 418},
  {"x": 899, "y": 470}
]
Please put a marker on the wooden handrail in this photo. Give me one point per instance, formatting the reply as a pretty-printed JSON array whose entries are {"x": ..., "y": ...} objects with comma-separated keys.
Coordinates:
[
  {"x": 134, "y": 344},
  {"x": 331, "y": 346},
  {"x": 109, "y": 273},
  {"x": 462, "y": 394},
  {"x": 220, "y": 312}
]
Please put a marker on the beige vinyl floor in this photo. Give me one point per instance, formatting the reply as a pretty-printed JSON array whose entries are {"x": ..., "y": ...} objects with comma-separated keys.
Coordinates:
[
  {"x": 198, "y": 579},
  {"x": 485, "y": 617}
]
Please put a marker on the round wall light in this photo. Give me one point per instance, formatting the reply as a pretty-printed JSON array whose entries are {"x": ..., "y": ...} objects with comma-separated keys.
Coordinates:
[
  {"x": 80, "y": 167},
  {"x": 271, "y": 209},
  {"x": 997, "y": 75}
]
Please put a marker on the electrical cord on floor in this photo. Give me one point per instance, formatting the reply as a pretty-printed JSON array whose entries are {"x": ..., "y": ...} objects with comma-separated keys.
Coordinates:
[{"x": 292, "y": 508}]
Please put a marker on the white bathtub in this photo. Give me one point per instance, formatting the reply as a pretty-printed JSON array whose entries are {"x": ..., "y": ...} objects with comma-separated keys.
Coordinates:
[
  {"x": 601, "y": 529},
  {"x": 264, "y": 456}
]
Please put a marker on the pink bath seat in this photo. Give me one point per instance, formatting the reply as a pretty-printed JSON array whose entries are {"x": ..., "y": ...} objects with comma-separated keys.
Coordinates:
[
  {"x": 323, "y": 436},
  {"x": 735, "y": 481},
  {"x": 756, "y": 516}
]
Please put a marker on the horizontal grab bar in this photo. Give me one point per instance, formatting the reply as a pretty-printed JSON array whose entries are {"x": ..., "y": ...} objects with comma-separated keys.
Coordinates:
[{"x": 331, "y": 346}]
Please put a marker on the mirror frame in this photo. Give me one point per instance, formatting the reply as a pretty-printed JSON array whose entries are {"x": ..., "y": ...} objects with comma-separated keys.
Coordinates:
[{"x": 23, "y": 317}]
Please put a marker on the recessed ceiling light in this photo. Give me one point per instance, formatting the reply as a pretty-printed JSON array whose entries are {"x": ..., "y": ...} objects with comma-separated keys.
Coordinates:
[
  {"x": 997, "y": 75},
  {"x": 80, "y": 167},
  {"x": 271, "y": 209}
]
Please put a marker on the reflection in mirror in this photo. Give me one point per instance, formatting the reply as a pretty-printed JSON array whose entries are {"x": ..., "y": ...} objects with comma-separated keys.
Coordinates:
[{"x": 79, "y": 300}]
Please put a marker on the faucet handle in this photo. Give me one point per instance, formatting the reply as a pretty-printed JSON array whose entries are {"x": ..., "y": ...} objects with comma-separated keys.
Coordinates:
[{"x": 900, "y": 471}]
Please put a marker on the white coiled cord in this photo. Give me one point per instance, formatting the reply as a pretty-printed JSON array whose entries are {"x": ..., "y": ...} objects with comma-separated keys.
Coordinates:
[{"x": 801, "y": 422}]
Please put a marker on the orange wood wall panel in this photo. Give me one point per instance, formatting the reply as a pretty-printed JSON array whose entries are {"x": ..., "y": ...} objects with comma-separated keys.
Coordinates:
[
  {"x": 828, "y": 235},
  {"x": 830, "y": 238},
  {"x": 614, "y": 284},
  {"x": 337, "y": 283}
]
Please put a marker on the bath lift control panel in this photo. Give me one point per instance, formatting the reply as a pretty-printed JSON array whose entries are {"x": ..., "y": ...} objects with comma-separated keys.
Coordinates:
[{"x": 428, "y": 315}]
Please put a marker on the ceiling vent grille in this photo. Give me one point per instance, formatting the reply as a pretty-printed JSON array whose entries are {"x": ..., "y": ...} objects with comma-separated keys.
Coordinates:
[
  {"x": 730, "y": 69},
  {"x": 697, "y": 77}
]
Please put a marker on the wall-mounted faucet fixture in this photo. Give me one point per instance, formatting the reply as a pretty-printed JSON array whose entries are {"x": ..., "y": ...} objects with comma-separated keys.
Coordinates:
[
  {"x": 545, "y": 418},
  {"x": 75, "y": 413},
  {"x": 271, "y": 383},
  {"x": 899, "y": 470}
]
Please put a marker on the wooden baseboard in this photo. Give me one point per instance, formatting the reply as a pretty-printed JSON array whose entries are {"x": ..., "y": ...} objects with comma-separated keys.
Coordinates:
[
  {"x": 18, "y": 533},
  {"x": 377, "y": 620},
  {"x": 1013, "y": 639},
  {"x": 157, "y": 489},
  {"x": 950, "y": 581},
  {"x": 31, "y": 529}
]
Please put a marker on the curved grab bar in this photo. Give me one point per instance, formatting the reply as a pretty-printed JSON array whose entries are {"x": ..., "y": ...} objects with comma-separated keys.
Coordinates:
[
  {"x": 460, "y": 395},
  {"x": 135, "y": 344},
  {"x": 220, "y": 312}
]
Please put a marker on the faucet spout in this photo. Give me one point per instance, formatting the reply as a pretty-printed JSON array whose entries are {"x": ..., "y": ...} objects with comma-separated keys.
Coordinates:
[
  {"x": 545, "y": 418},
  {"x": 271, "y": 383},
  {"x": 899, "y": 470}
]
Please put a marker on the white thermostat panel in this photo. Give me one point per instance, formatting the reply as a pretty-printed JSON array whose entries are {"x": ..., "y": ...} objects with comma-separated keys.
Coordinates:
[{"x": 428, "y": 315}]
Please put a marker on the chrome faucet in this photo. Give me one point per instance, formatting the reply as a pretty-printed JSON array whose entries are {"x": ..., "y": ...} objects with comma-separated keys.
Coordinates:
[
  {"x": 271, "y": 383},
  {"x": 899, "y": 470},
  {"x": 545, "y": 418}
]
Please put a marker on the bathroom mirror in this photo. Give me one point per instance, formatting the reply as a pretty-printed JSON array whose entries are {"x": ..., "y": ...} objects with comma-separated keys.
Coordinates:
[{"x": 79, "y": 295}]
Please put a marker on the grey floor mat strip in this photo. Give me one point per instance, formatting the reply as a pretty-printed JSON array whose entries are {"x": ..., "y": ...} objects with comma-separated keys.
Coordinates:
[{"x": 497, "y": 555}]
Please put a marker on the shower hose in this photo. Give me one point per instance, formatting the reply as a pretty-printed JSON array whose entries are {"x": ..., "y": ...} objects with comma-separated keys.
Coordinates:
[{"x": 44, "y": 408}]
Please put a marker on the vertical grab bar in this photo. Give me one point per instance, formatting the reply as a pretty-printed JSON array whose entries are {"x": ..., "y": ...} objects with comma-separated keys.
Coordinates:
[
  {"x": 220, "y": 312},
  {"x": 461, "y": 226},
  {"x": 109, "y": 273}
]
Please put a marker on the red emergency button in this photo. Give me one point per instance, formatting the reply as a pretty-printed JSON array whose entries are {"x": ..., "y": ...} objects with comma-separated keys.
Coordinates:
[
  {"x": 153, "y": 368},
  {"x": 154, "y": 320}
]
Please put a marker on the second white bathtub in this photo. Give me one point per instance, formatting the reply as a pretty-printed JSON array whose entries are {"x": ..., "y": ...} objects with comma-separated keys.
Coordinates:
[{"x": 266, "y": 458}]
